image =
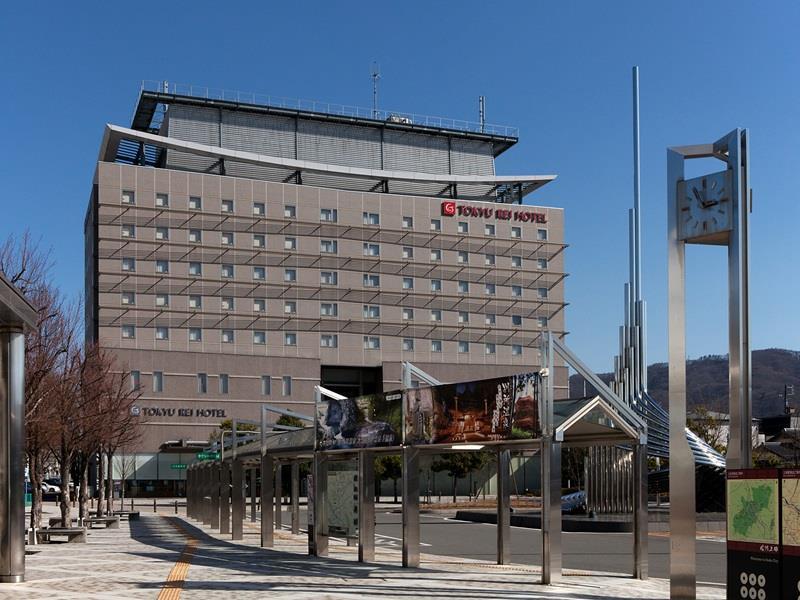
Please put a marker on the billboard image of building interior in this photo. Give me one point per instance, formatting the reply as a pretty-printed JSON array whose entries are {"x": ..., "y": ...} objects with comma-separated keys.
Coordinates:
[{"x": 239, "y": 252}]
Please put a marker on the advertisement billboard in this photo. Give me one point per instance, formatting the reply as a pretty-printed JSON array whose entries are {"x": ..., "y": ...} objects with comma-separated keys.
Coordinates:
[
  {"x": 483, "y": 411},
  {"x": 369, "y": 421}
]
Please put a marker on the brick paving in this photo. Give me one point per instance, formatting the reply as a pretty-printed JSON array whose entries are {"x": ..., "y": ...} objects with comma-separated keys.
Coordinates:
[{"x": 136, "y": 561}]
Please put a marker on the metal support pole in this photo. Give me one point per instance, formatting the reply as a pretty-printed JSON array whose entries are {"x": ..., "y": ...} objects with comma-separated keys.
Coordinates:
[
  {"x": 278, "y": 494},
  {"x": 189, "y": 491},
  {"x": 224, "y": 498},
  {"x": 551, "y": 511},
  {"x": 206, "y": 478},
  {"x": 410, "y": 506},
  {"x": 640, "y": 522},
  {"x": 12, "y": 457},
  {"x": 253, "y": 496},
  {"x": 267, "y": 524},
  {"x": 503, "y": 507},
  {"x": 237, "y": 500},
  {"x": 320, "y": 494},
  {"x": 295, "y": 497},
  {"x": 214, "y": 472},
  {"x": 366, "y": 506}
]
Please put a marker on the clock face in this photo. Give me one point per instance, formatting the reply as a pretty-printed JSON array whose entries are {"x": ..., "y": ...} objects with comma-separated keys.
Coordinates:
[{"x": 705, "y": 208}]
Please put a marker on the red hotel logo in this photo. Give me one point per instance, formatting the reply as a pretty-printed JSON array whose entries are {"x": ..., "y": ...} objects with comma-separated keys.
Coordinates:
[{"x": 450, "y": 209}]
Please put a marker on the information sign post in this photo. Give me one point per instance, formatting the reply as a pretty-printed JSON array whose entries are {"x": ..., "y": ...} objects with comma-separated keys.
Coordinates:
[{"x": 790, "y": 532}]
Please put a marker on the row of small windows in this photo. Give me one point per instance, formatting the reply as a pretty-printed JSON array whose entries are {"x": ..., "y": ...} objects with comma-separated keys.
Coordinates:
[
  {"x": 223, "y": 380},
  {"x": 329, "y": 215}
]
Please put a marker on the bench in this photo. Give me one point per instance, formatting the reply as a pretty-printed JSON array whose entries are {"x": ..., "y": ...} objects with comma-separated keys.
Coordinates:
[
  {"x": 109, "y": 522},
  {"x": 56, "y": 521},
  {"x": 73, "y": 534},
  {"x": 131, "y": 515}
]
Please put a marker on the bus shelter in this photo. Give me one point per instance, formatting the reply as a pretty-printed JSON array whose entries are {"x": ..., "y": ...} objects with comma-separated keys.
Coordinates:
[{"x": 518, "y": 413}]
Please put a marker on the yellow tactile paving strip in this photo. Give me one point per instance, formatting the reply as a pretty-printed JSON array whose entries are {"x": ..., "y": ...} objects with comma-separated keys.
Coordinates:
[{"x": 171, "y": 590}]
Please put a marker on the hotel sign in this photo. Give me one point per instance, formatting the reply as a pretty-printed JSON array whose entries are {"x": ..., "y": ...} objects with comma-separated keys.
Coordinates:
[{"x": 451, "y": 208}]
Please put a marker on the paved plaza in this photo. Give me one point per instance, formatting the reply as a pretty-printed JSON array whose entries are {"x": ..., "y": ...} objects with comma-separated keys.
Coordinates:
[{"x": 165, "y": 556}]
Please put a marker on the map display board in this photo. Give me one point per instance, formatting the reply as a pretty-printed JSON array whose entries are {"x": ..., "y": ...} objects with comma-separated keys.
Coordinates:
[
  {"x": 753, "y": 506},
  {"x": 343, "y": 502},
  {"x": 483, "y": 411},
  {"x": 369, "y": 421},
  {"x": 790, "y": 531}
]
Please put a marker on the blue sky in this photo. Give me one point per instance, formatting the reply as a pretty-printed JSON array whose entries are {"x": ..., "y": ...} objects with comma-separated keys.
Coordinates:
[{"x": 558, "y": 71}]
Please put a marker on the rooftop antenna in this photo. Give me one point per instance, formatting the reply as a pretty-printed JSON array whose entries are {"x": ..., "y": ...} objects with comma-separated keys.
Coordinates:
[
  {"x": 376, "y": 75},
  {"x": 482, "y": 112}
]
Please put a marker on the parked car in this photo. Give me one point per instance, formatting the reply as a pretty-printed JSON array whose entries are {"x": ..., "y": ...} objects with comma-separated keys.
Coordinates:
[
  {"x": 49, "y": 488},
  {"x": 56, "y": 481}
]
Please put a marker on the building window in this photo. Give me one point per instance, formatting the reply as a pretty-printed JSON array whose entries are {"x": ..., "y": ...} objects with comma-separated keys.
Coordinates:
[
  {"x": 227, "y": 303},
  {"x": 516, "y": 320},
  {"x": 372, "y": 342},
  {"x": 290, "y": 243},
  {"x": 541, "y": 292},
  {"x": 128, "y": 197},
  {"x": 516, "y": 291},
  {"x": 129, "y": 231},
  {"x": 195, "y": 334},
  {"x": 436, "y": 225},
  {"x": 259, "y": 273},
  {"x": 408, "y": 222},
  {"x": 289, "y": 339},
  {"x": 290, "y": 307},
  {"x": 463, "y": 227},
  {"x": 162, "y": 200},
  {"x": 408, "y": 314},
  {"x": 158, "y": 381},
  {"x": 162, "y": 333},
  {"x": 463, "y": 316},
  {"x": 436, "y": 315},
  {"x": 463, "y": 347},
  {"x": 195, "y": 268},
  {"x": 202, "y": 383},
  {"x": 260, "y": 337},
  {"x": 290, "y": 275},
  {"x": 516, "y": 350},
  {"x": 489, "y": 260},
  {"x": 516, "y": 261},
  {"x": 542, "y": 321},
  {"x": 463, "y": 287},
  {"x": 490, "y": 348},
  {"x": 195, "y": 236},
  {"x": 227, "y": 238},
  {"x": 491, "y": 319},
  {"x": 329, "y": 341},
  {"x": 489, "y": 229},
  {"x": 436, "y": 255},
  {"x": 286, "y": 385},
  {"x": 541, "y": 235},
  {"x": 408, "y": 283},
  {"x": 195, "y": 203},
  {"x": 195, "y": 302},
  {"x": 372, "y": 249},
  {"x": 223, "y": 383},
  {"x": 259, "y": 305},
  {"x": 408, "y": 252},
  {"x": 162, "y": 266},
  {"x": 266, "y": 385},
  {"x": 372, "y": 280},
  {"x": 227, "y": 206},
  {"x": 372, "y": 311},
  {"x": 129, "y": 264},
  {"x": 371, "y": 218},
  {"x": 328, "y": 246},
  {"x": 259, "y": 241},
  {"x": 128, "y": 332},
  {"x": 436, "y": 345},
  {"x": 136, "y": 380},
  {"x": 259, "y": 209},
  {"x": 408, "y": 345},
  {"x": 436, "y": 285},
  {"x": 162, "y": 299},
  {"x": 541, "y": 263},
  {"x": 491, "y": 289},
  {"x": 289, "y": 211},
  {"x": 330, "y": 215},
  {"x": 162, "y": 233},
  {"x": 463, "y": 257},
  {"x": 227, "y": 336},
  {"x": 516, "y": 232},
  {"x": 128, "y": 298},
  {"x": 329, "y": 277},
  {"x": 329, "y": 309}
]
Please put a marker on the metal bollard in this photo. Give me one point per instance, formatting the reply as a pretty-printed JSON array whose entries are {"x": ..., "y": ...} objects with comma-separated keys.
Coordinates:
[
  {"x": 176, "y": 507},
  {"x": 154, "y": 505},
  {"x": 131, "y": 504}
]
